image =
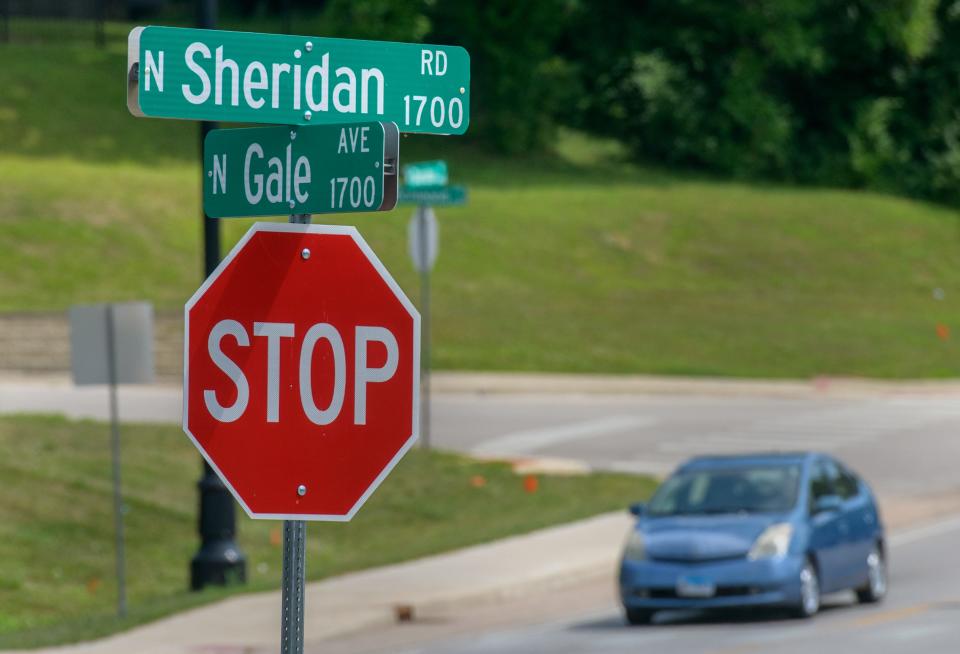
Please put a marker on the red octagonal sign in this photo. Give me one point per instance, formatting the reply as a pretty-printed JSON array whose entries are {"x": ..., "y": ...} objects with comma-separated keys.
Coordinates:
[{"x": 301, "y": 371}]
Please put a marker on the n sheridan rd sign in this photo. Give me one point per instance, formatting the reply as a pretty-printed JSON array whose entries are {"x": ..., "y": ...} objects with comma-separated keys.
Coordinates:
[{"x": 296, "y": 80}]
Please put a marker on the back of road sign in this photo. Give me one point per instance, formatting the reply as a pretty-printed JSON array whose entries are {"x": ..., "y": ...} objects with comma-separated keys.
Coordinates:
[
  {"x": 423, "y": 239},
  {"x": 435, "y": 196},
  {"x": 295, "y": 80},
  {"x": 425, "y": 174},
  {"x": 132, "y": 343}
]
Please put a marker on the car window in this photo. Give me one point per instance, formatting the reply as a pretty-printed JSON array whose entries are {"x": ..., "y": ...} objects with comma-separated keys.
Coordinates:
[
  {"x": 761, "y": 489},
  {"x": 821, "y": 484},
  {"x": 846, "y": 483}
]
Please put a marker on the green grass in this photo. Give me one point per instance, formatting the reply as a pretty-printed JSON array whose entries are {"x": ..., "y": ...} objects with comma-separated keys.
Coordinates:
[
  {"x": 572, "y": 261},
  {"x": 56, "y": 529}
]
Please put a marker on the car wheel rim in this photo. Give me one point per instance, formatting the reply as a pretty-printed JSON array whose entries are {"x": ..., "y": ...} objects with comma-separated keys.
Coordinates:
[
  {"x": 809, "y": 590},
  {"x": 878, "y": 574}
]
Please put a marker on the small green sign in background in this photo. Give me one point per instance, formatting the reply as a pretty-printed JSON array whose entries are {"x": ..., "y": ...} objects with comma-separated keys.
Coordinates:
[{"x": 436, "y": 196}]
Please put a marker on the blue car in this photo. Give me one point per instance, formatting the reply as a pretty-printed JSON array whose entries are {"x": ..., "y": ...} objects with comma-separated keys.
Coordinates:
[{"x": 770, "y": 530}]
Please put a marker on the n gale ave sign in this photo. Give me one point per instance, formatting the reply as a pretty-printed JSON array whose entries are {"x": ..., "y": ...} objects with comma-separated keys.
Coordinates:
[
  {"x": 282, "y": 79},
  {"x": 301, "y": 371},
  {"x": 269, "y": 171}
]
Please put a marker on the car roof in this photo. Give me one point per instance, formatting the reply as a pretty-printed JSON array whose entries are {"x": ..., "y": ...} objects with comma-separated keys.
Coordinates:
[{"x": 748, "y": 460}]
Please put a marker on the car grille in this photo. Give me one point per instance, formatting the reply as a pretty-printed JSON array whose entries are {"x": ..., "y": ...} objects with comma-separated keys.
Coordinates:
[
  {"x": 696, "y": 561},
  {"x": 722, "y": 591}
]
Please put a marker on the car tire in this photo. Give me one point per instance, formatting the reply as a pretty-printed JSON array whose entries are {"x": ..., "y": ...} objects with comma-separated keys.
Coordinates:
[
  {"x": 809, "y": 603},
  {"x": 638, "y": 617},
  {"x": 876, "y": 587}
]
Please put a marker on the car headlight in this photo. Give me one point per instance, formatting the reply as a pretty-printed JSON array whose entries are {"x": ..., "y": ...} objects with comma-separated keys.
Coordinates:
[
  {"x": 635, "y": 550},
  {"x": 773, "y": 542}
]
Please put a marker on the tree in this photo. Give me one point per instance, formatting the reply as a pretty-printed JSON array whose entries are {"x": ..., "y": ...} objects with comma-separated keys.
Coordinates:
[{"x": 518, "y": 80}]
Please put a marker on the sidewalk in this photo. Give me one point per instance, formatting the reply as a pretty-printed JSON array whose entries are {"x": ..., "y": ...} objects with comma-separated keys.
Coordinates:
[
  {"x": 521, "y": 564},
  {"x": 30, "y": 388}
]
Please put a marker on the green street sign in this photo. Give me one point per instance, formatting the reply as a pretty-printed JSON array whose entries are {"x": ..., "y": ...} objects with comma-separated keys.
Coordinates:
[
  {"x": 296, "y": 80},
  {"x": 436, "y": 196},
  {"x": 272, "y": 171},
  {"x": 424, "y": 174}
]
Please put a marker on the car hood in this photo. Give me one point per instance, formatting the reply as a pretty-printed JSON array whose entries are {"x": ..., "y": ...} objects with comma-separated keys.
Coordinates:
[{"x": 703, "y": 538}]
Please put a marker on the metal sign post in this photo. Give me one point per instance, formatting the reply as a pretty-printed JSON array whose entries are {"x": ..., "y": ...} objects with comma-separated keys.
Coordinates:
[
  {"x": 112, "y": 344},
  {"x": 294, "y": 562},
  {"x": 422, "y": 242},
  {"x": 425, "y": 310},
  {"x": 294, "y": 576},
  {"x": 115, "y": 456}
]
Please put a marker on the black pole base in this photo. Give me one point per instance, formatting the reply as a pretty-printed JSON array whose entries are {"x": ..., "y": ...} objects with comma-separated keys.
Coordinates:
[{"x": 218, "y": 563}]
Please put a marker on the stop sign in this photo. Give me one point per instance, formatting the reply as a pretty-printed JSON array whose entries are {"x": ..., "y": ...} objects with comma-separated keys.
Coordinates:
[{"x": 301, "y": 371}]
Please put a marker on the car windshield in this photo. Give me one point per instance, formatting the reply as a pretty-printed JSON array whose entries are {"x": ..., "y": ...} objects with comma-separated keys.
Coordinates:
[{"x": 760, "y": 489}]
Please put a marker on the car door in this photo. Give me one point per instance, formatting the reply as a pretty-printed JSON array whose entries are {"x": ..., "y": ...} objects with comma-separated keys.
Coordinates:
[
  {"x": 827, "y": 539},
  {"x": 861, "y": 523}
]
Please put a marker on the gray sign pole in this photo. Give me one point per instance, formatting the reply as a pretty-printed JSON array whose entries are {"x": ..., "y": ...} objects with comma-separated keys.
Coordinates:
[
  {"x": 115, "y": 446},
  {"x": 294, "y": 573},
  {"x": 424, "y": 266},
  {"x": 294, "y": 557}
]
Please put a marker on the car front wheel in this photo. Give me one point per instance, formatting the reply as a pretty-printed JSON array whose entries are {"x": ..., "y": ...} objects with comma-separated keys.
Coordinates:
[
  {"x": 876, "y": 586},
  {"x": 809, "y": 591}
]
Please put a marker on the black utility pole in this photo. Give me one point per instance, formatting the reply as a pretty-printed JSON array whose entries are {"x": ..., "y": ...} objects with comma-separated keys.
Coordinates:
[
  {"x": 100, "y": 16},
  {"x": 219, "y": 560},
  {"x": 4, "y": 21}
]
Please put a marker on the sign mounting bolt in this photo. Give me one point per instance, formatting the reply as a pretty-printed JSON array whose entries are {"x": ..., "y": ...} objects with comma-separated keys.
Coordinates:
[
  {"x": 308, "y": 115},
  {"x": 292, "y": 204},
  {"x": 462, "y": 90},
  {"x": 301, "y": 490},
  {"x": 293, "y": 134},
  {"x": 305, "y": 254},
  {"x": 209, "y": 173},
  {"x": 308, "y": 46}
]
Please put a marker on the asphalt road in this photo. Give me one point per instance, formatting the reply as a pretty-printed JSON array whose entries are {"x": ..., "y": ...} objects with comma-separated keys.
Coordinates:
[
  {"x": 919, "y": 616},
  {"x": 904, "y": 443}
]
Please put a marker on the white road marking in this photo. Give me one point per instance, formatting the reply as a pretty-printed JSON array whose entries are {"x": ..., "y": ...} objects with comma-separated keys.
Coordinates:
[
  {"x": 525, "y": 442},
  {"x": 829, "y": 430},
  {"x": 714, "y": 443},
  {"x": 923, "y": 532}
]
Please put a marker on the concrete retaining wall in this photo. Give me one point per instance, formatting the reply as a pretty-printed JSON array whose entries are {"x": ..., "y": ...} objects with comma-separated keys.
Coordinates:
[{"x": 39, "y": 343}]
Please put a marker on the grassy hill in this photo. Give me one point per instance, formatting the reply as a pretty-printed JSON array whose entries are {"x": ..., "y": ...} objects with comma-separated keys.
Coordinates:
[{"x": 574, "y": 261}]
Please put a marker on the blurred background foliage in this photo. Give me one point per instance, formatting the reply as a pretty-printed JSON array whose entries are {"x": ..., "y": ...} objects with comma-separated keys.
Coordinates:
[{"x": 852, "y": 93}]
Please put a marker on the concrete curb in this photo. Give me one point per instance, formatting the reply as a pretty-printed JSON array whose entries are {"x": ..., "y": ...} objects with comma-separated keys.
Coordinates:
[
  {"x": 560, "y": 383},
  {"x": 506, "y": 383}
]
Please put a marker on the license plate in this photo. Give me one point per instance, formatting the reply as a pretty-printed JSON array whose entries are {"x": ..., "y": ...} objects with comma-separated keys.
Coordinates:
[{"x": 695, "y": 587}]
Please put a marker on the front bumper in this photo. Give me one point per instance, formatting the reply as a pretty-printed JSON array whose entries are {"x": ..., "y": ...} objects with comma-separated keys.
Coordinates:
[{"x": 739, "y": 582}]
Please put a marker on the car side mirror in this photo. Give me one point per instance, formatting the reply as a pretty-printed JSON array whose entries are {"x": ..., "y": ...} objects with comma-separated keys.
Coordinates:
[
  {"x": 637, "y": 509},
  {"x": 827, "y": 504}
]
